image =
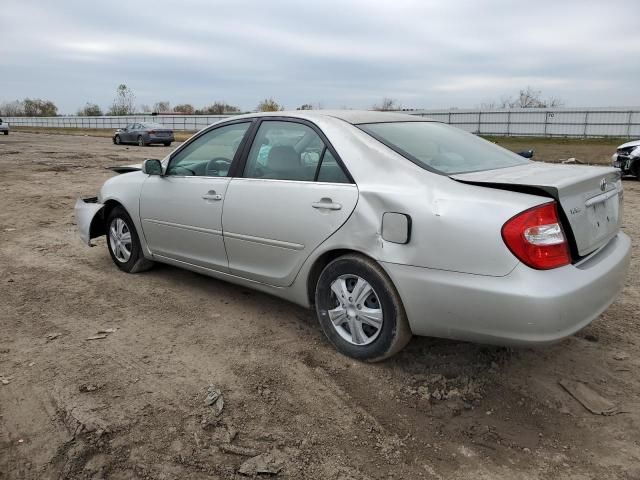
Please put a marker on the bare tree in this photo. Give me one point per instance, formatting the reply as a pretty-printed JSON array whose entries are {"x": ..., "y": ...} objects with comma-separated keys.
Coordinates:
[
  {"x": 162, "y": 107},
  {"x": 36, "y": 107},
  {"x": 387, "y": 104},
  {"x": 184, "y": 108},
  {"x": 12, "y": 109},
  {"x": 124, "y": 102},
  {"x": 90, "y": 110},
  {"x": 527, "y": 98},
  {"x": 217, "y": 108},
  {"x": 269, "y": 105}
]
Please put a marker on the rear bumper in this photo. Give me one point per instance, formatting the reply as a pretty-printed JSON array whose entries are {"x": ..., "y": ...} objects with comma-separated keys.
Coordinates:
[
  {"x": 523, "y": 308},
  {"x": 88, "y": 213},
  {"x": 160, "y": 138}
]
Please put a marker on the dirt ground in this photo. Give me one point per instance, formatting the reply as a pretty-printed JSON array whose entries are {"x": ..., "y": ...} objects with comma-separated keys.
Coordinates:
[{"x": 131, "y": 405}]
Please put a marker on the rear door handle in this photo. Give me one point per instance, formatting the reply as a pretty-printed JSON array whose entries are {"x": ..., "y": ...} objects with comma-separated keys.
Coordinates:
[
  {"x": 212, "y": 195},
  {"x": 326, "y": 203}
]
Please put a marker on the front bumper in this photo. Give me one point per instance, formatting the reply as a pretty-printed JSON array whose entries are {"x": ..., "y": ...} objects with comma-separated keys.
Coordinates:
[
  {"x": 525, "y": 307},
  {"x": 88, "y": 213}
]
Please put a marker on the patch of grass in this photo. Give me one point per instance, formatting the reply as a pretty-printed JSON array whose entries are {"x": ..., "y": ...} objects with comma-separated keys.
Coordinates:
[
  {"x": 180, "y": 136},
  {"x": 607, "y": 141}
]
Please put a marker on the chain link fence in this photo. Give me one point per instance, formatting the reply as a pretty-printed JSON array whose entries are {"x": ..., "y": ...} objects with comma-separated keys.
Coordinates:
[{"x": 558, "y": 122}]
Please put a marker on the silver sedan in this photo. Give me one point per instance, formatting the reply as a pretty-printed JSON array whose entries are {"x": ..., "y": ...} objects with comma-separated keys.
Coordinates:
[{"x": 387, "y": 224}]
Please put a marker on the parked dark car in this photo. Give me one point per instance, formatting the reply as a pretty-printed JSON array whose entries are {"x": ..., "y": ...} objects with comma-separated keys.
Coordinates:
[
  {"x": 144, "y": 133},
  {"x": 627, "y": 158}
]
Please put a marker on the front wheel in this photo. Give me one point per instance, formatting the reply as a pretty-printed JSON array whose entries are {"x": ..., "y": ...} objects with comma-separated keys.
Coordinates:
[
  {"x": 6, "y": 132},
  {"x": 167, "y": 144},
  {"x": 360, "y": 310},
  {"x": 117, "y": 140},
  {"x": 141, "y": 141},
  {"x": 124, "y": 244}
]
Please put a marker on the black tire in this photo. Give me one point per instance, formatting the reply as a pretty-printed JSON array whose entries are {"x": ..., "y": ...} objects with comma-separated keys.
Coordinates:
[
  {"x": 167, "y": 144},
  {"x": 394, "y": 332},
  {"x": 136, "y": 261},
  {"x": 6, "y": 132},
  {"x": 141, "y": 142},
  {"x": 117, "y": 140}
]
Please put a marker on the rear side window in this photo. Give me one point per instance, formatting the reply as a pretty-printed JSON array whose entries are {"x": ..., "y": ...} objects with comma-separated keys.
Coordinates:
[
  {"x": 291, "y": 151},
  {"x": 442, "y": 148},
  {"x": 330, "y": 170}
]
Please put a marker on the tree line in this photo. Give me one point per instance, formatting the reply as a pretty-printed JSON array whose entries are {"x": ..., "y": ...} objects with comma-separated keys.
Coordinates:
[{"x": 124, "y": 104}]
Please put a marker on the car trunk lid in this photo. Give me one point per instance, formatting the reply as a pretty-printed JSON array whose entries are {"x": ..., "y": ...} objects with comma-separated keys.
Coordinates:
[{"x": 590, "y": 197}]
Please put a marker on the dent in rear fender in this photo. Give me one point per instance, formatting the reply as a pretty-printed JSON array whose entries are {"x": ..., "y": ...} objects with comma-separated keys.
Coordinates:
[
  {"x": 88, "y": 213},
  {"x": 455, "y": 228}
]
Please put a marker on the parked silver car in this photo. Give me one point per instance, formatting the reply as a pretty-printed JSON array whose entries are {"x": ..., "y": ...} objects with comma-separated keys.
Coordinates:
[
  {"x": 4, "y": 127},
  {"x": 388, "y": 224},
  {"x": 144, "y": 133}
]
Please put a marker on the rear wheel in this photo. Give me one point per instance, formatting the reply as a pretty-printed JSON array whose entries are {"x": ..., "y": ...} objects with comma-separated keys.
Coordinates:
[
  {"x": 117, "y": 140},
  {"x": 124, "y": 244},
  {"x": 167, "y": 144},
  {"x": 360, "y": 310},
  {"x": 6, "y": 132},
  {"x": 141, "y": 141}
]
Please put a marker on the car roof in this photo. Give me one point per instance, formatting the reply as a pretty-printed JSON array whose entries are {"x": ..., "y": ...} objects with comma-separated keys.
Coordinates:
[{"x": 355, "y": 117}]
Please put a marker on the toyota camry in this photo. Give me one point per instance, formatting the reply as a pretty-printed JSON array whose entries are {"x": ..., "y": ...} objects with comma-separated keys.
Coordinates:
[{"x": 388, "y": 225}]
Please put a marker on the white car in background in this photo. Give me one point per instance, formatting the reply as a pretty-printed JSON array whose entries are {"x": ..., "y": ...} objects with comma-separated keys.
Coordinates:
[
  {"x": 4, "y": 127},
  {"x": 627, "y": 158}
]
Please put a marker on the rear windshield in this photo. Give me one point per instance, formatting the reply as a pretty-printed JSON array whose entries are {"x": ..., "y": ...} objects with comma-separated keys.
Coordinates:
[{"x": 442, "y": 148}]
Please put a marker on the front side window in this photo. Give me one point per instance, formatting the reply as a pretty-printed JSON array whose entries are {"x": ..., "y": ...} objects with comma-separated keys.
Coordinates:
[
  {"x": 443, "y": 148},
  {"x": 211, "y": 154}
]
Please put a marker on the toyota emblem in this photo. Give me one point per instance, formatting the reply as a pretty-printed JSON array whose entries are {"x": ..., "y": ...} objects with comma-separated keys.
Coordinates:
[{"x": 603, "y": 184}]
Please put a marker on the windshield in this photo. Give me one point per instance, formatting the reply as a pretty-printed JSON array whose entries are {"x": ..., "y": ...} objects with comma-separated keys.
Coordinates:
[
  {"x": 152, "y": 125},
  {"x": 442, "y": 148}
]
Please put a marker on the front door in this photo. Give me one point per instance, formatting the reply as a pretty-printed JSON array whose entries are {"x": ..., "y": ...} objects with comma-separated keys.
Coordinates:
[
  {"x": 293, "y": 195},
  {"x": 181, "y": 211}
]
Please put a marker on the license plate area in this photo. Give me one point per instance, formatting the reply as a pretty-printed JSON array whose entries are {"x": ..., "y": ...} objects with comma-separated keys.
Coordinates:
[{"x": 603, "y": 217}]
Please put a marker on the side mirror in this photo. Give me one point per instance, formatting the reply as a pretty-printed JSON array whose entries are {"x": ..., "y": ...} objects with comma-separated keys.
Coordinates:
[
  {"x": 526, "y": 154},
  {"x": 152, "y": 166}
]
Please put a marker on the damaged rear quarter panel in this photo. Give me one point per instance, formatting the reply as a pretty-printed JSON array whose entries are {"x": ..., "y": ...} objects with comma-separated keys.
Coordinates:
[{"x": 454, "y": 226}]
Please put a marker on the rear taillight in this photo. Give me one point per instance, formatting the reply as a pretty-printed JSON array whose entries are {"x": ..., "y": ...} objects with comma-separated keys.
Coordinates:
[{"x": 535, "y": 236}]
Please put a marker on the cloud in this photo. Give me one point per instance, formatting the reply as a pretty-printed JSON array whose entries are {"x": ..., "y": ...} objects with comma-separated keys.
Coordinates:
[{"x": 341, "y": 53}]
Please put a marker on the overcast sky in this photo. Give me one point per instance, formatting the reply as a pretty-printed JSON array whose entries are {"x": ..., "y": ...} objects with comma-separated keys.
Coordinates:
[{"x": 339, "y": 53}]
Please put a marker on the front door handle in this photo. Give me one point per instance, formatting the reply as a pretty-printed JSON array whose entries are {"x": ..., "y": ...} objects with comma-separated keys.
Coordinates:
[
  {"x": 212, "y": 195},
  {"x": 326, "y": 203}
]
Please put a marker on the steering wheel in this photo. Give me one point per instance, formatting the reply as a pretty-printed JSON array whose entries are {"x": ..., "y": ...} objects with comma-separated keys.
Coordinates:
[{"x": 217, "y": 164}]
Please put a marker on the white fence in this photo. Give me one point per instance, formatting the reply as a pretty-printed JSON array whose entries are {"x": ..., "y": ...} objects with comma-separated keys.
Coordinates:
[
  {"x": 552, "y": 122},
  {"x": 563, "y": 122},
  {"x": 176, "y": 122}
]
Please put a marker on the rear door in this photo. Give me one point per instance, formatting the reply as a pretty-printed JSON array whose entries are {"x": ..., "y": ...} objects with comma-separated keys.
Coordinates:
[
  {"x": 293, "y": 194},
  {"x": 181, "y": 211}
]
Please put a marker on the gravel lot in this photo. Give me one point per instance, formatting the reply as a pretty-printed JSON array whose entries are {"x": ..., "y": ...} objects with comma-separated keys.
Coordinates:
[{"x": 132, "y": 404}]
